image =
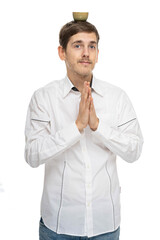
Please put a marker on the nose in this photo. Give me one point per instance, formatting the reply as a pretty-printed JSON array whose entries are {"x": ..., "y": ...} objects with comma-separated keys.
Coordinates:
[{"x": 85, "y": 51}]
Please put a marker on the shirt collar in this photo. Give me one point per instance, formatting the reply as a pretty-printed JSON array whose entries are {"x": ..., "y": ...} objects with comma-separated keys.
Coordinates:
[
  {"x": 67, "y": 86},
  {"x": 96, "y": 86},
  {"x": 75, "y": 89}
]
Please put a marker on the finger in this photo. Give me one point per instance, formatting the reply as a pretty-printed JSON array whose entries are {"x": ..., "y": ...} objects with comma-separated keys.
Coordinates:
[
  {"x": 84, "y": 86},
  {"x": 89, "y": 102},
  {"x": 88, "y": 84},
  {"x": 89, "y": 91},
  {"x": 91, "y": 105},
  {"x": 86, "y": 92},
  {"x": 83, "y": 94}
]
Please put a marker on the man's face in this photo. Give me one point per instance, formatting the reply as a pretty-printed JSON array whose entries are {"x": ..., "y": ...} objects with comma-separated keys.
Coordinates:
[{"x": 81, "y": 54}]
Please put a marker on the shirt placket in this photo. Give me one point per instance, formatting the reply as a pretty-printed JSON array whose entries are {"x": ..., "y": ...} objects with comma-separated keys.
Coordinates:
[{"x": 88, "y": 188}]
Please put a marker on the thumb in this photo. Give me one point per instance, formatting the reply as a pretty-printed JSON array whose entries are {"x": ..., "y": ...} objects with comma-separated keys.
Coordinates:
[
  {"x": 88, "y": 102},
  {"x": 91, "y": 105}
]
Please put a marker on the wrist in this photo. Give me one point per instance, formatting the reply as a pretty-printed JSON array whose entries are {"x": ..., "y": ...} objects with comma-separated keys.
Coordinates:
[
  {"x": 94, "y": 128},
  {"x": 79, "y": 126}
]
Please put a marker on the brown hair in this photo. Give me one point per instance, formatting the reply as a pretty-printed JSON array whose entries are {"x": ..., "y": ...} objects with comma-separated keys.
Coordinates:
[{"x": 74, "y": 27}]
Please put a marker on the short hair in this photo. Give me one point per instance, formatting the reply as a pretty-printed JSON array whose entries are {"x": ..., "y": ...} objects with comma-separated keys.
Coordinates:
[{"x": 74, "y": 27}]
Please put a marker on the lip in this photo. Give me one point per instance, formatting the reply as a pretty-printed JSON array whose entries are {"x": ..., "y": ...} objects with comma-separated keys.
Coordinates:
[{"x": 85, "y": 62}]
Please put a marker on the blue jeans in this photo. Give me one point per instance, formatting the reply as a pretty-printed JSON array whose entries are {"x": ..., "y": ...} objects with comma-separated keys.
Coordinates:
[{"x": 47, "y": 234}]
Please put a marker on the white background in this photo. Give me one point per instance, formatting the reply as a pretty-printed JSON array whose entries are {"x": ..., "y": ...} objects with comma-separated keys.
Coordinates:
[{"x": 129, "y": 58}]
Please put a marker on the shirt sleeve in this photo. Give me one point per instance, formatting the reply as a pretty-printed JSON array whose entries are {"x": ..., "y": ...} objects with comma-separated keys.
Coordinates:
[
  {"x": 41, "y": 144},
  {"x": 123, "y": 138}
]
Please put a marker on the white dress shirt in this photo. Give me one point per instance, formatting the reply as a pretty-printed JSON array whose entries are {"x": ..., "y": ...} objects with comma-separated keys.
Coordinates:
[{"x": 81, "y": 194}]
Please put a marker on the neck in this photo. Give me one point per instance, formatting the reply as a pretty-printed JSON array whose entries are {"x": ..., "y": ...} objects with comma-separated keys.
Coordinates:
[{"x": 78, "y": 80}]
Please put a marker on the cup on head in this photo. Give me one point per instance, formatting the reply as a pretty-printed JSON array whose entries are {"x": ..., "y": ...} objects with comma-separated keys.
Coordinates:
[{"x": 80, "y": 16}]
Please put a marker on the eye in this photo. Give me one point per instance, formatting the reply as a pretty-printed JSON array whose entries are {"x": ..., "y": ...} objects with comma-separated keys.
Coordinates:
[
  {"x": 77, "y": 46},
  {"x": 92, "y": 46}
]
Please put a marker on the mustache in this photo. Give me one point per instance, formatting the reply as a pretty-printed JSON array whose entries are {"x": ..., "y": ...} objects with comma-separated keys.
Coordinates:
[{"x": 85, "y": 60}]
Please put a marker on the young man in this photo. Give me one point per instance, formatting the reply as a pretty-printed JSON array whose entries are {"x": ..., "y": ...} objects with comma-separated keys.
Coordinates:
[{"x": 76, "y": 126}]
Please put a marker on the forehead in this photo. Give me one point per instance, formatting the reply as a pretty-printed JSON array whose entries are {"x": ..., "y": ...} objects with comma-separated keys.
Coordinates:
[{"x": 84, "y": 37}]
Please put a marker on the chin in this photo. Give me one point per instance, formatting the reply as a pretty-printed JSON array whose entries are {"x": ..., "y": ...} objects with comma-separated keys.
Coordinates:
[{"x": 85, "y": 73}]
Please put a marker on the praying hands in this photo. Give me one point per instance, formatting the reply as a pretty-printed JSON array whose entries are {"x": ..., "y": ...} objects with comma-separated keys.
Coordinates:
[{"x": 87, "y": 114}]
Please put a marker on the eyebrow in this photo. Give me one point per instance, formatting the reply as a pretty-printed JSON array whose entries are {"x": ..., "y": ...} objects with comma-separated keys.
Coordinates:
[{"x": 80, "y": 41}]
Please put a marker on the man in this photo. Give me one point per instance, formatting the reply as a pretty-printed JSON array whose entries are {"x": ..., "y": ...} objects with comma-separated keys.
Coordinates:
[{"x": 76, "y": 126}]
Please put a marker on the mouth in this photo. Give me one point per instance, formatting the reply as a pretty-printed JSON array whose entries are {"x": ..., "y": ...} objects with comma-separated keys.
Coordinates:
[{"x": 85, "y": 62}]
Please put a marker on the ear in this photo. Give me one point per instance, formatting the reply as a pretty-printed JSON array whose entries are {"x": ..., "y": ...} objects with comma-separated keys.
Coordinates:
[{"x": 61, "y": 53}]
